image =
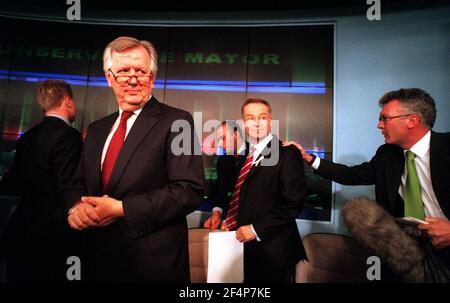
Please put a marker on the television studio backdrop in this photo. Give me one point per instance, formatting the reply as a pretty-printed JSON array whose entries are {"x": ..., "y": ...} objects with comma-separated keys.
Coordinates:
[{"x": 322, "y": 68}]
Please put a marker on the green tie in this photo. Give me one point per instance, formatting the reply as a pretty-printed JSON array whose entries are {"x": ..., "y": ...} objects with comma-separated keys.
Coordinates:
[{"x": 413, "y": 193}]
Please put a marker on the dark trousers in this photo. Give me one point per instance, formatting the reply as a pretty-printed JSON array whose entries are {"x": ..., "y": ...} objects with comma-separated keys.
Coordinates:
[{"x": 261, "y": 267}]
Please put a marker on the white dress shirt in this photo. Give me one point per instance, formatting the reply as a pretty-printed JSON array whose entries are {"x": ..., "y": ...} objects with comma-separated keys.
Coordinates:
[{"x": 260, "y": 147}]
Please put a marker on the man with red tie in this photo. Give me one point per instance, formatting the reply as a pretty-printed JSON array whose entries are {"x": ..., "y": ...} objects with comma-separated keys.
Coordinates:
[
  {"x": 267, "y": 198},
  {"x": 132, "y": 192}
]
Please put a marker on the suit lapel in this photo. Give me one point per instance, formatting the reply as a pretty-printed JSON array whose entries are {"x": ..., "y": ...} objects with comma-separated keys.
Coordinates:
[
  {"x": 143, "y": 124},
  {"x": 264, "y": 154},
  {"x": 255, "y": 167}
]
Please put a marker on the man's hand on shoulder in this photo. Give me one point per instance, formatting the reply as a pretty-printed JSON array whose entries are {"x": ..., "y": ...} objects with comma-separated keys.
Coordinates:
[{"x": 307, "y": 157}]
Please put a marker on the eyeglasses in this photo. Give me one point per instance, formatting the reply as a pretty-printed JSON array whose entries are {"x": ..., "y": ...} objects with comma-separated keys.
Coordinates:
[
  {"x": 385, "y": 119},
  {"x": 124, "y": 78}
]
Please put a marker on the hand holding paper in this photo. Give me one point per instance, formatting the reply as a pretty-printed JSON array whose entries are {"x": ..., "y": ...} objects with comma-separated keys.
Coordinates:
[{"x": 439, "y": 231}]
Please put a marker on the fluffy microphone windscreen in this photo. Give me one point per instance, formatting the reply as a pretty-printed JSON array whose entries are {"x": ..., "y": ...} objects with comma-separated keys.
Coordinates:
[{"x": 375, "y": 228}]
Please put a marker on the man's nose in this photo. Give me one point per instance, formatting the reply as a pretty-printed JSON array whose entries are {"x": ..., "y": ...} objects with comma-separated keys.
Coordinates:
[{"x": 133, "y": 80}]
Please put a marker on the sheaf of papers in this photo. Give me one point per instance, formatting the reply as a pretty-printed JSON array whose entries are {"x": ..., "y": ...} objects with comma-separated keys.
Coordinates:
[
  {"x": 410, "y": 221},
  {"x": 225, "y": 258}
]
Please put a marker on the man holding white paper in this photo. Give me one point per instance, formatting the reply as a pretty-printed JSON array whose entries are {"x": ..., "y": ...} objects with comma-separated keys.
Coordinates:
[{"x": 267, "y": 198}]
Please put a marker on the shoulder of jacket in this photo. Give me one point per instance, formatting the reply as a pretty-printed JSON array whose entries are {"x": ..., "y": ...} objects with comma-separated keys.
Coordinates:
[
  {"x": 174, "y": 111},
  {"x": 106, "y": 119},
  {"x": 388, "y": 149},
  {"x": 443, "y": 136}
]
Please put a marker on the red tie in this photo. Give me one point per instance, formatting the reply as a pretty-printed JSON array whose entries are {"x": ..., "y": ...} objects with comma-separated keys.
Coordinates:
[
  {"x": 115, "y": 145},
  {"x": 231, "y": 218}
]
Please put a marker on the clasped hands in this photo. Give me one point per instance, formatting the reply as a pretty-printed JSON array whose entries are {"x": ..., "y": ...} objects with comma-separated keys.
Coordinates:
[{"x": 94, "y": 212}]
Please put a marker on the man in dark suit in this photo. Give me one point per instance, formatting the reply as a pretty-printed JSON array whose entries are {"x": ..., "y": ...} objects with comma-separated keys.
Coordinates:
[
  {"x": 230, "y": 142},
  {"x": 406, "y": 120},
  {"x": 267, "y": 198},
  {"x": 134, "y": 185},
  {"x": 37, "y": 240}
]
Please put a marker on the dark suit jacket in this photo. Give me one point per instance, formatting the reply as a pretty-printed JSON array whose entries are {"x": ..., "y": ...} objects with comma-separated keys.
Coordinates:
[
  {"x": 38, "y": 236},
  {"x": 227, "y": 172},
  {"x": 385, "y": 170},
  {"x": 271, "y": 198},
  {"x": 158, "y": 189}
]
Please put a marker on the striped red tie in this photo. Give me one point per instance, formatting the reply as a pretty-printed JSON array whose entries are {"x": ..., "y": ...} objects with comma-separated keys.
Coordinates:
[
  {"x": 115, "y": 145},
  {"x": 231, "y": 218}
]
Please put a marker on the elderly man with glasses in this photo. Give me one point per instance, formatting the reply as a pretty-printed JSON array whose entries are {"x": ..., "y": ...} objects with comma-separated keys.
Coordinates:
[
  {"x": 410, "y": 171},
  {"x": 132, "y": 192}
]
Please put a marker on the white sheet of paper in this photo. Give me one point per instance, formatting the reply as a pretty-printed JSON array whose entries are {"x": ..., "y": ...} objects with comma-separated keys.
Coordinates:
[{"x": 225, "y": 258}]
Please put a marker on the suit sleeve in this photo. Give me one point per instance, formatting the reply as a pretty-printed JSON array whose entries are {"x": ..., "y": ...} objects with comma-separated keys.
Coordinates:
[
  {"x": 182, "y": 195},
  {"x": 362, "y": 174},
  {"x": 292, "y": 187},
  {"x": 64, "y": 159}
]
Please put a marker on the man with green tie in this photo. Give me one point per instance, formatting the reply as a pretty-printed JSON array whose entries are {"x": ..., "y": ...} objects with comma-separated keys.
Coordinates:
[{"x": 410, "y": 171}]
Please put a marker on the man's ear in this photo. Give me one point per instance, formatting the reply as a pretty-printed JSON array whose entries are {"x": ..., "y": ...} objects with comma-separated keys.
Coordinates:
[
  {"x": 413, "y": 120},
  {"x": 67, "y": 102}
]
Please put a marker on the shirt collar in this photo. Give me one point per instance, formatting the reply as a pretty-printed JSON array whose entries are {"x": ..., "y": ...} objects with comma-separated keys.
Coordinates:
[
  {"x": 262, "y": 144},
  {"x": 422, "y": 146},
  {"x": 60, "y": 117}
]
